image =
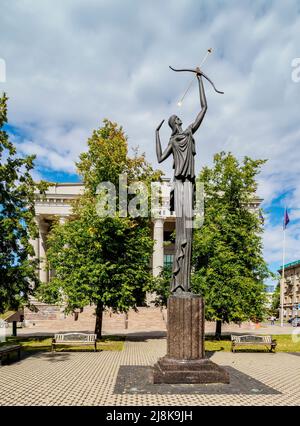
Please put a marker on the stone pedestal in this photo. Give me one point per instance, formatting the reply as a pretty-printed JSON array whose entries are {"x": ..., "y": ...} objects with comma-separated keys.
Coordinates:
[{"x": 185, "y": 361}]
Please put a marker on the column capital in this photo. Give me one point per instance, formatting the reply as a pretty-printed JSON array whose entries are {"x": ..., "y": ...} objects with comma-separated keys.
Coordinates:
[
  {"x": 158, "y": 222},
  {"x": 158, "y": 248}
]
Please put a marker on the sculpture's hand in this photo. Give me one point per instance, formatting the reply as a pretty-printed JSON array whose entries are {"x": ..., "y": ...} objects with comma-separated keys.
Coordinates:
[{"x": 159, "y": 126}]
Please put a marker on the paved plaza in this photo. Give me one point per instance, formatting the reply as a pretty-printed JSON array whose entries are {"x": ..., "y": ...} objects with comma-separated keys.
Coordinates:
[{"x": 124, "y": 378}]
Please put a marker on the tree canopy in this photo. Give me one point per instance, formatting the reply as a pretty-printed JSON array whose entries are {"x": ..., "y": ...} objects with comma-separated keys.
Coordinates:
[
  {"x": 102, "y": 260},
  {"x": 275, "y": 302},
  {"x": 17, "y": 266},
  {"x": 229, "y": 268}
]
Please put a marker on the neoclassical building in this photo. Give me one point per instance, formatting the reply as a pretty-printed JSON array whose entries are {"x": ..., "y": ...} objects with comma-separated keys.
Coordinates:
[
  {"x": 56, "y": 204},
  {"x": 291, "y": 289}
]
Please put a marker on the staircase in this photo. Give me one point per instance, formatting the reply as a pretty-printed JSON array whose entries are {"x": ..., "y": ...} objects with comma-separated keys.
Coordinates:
[{"x": 146, "y": 319}]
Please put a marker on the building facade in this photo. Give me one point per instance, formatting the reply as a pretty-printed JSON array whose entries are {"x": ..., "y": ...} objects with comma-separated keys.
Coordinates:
[
  {"x": 57, "y": 205},
  {"x": 291, "y": 289}
]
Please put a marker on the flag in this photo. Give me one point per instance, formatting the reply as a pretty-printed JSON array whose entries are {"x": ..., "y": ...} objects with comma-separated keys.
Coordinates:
[
  {"x": 262, "y": 219},
  {"x": 286, "y": 219}
]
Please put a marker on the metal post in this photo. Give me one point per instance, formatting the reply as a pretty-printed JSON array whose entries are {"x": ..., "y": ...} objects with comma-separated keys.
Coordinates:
[
  {"x": 282, "y": 281},
  {"x": 14, "y": 328}
]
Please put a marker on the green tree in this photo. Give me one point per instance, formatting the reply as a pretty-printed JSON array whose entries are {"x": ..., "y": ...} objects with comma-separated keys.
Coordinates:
[
  {"x": 17, "y": 225},
  {"x": 161, "y": 288},
  {"x": 275, "y": 303},
  {"x": 102, "y": 260},
  {"x": 229, "y": 269}
]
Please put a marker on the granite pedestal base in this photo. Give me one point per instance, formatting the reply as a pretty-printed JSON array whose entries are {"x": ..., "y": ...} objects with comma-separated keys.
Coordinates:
[
  {"x": 185, "y": 361},
  {"x": 168, "y": 370}
]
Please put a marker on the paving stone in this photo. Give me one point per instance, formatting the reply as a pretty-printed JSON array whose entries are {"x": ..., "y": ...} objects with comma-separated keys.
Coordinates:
[{"x": 88, "y": 378}]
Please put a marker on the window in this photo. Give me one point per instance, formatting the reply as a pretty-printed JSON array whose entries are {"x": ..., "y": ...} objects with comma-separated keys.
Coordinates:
[{"x": 168, "y": 261}]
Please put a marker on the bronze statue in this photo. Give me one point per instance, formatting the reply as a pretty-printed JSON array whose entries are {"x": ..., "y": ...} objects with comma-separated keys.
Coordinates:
[
  {"x": 182, "y": 147},
  {"x": 185, "y": 360}
]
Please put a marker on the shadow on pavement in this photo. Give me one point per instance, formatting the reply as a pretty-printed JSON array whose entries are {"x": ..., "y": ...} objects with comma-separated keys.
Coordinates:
[
  {"x": 137, "y": 379},
  {"x": 141, "y": 336}
]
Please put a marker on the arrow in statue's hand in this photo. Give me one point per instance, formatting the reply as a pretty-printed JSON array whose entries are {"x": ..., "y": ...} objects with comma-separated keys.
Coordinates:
[
  {"x": 199, "y": 72},
  {"x": 196, "y": 71}
]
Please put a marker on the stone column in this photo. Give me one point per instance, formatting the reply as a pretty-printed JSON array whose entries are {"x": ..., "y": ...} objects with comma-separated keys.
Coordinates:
[
  {"x": 43, "y": 274},
  {"x": 186, "y": 327},
  {"x": 185, "y": 361},
  {"x": 158, "y": 254},
  {"x": 158, "y": 250},
  {"x": 35, "y": 244}
]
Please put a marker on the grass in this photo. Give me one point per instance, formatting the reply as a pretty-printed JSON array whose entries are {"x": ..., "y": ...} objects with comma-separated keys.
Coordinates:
[
  {"x": 284, "y": 344},
  {"x": 31, "y": 345},
  {"x": 42, "y": 343}
]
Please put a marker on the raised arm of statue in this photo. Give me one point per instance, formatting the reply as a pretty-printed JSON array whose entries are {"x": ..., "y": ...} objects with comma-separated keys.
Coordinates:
[
  {"x": 203, "y": 103},
  {"x": 161, "y": 156}
]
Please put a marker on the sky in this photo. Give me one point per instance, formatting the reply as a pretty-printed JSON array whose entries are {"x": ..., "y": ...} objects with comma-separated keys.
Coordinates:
[{"x": 72, "y": 63}]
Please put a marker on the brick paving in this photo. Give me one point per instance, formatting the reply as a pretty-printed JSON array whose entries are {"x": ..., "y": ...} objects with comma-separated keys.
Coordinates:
[{"x": 90, "y": 378}]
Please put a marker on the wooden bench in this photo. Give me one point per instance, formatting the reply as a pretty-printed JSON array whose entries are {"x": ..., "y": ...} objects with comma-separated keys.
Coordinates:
[
  {"x": 7, "y": 349},
  {"x": 253, "y": 339},
  {"x": 74, "y": 339}
]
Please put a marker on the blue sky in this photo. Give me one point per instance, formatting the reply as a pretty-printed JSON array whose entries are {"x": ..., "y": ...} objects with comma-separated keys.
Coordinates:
[{"x": 72, "y": 63}]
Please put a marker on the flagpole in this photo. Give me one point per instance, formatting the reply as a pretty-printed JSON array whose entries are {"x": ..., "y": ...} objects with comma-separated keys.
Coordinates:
[{"x": 282, "y": 279}]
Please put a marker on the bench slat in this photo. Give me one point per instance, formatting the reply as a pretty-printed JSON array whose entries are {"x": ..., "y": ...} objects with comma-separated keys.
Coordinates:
[
  {"x": 252, "y": 339},
  {"x": 78, "y": 339},
  {"x": 6, "y": 350},
  {"x": 10, "y": 348}
]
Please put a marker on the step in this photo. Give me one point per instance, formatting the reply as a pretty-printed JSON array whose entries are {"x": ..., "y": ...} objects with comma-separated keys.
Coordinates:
[{"x": 145, "y": 319}]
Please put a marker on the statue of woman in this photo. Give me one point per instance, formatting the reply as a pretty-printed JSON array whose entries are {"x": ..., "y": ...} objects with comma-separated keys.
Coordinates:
[{"x": 182, "y": 146}]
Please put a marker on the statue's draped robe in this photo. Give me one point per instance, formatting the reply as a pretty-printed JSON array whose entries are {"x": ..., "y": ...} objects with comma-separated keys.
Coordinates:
[{"x": 183, "y": 149}]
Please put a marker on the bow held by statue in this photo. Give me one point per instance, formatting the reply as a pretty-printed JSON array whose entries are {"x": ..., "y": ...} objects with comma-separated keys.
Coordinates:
[{"x": 199, "y": 72}]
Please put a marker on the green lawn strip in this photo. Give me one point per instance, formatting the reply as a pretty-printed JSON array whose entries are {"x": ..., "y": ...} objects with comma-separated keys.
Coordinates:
[
  {"x": 114, "y": 343},
  {"x": 284, "y": 344},
  {"x": 43, "y": 343}
]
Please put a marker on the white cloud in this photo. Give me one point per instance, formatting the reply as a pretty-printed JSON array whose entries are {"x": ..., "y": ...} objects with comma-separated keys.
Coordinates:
[
  {"x": 72, "y": 63},
  {"x": 273, "y": 243}
]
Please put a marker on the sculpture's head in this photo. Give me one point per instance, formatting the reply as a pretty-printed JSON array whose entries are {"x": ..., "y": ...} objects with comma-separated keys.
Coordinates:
[{"x": 175, "y": 124}]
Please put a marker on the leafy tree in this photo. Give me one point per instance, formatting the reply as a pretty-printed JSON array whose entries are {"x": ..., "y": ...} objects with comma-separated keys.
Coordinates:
[
  {"x": 161, "y": 288},
  {"x": 17, "y": 225},
  {"x": 102, "y": 260},
  {"x": 229, "y": 269},
  {"x": 275, "y": 303}
]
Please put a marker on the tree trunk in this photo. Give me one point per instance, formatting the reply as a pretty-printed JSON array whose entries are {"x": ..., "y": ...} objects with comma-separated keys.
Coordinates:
[
  {"x": 218, "y": 329},
  {"x": 99, "y": 317},
  {"x": 126, "y": 320}
]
